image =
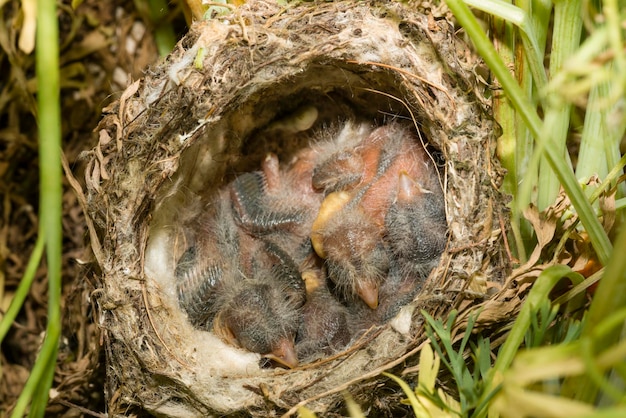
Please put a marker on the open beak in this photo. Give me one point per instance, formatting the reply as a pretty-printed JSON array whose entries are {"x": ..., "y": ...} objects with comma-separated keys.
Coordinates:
[{"x": 284, "y": 353}]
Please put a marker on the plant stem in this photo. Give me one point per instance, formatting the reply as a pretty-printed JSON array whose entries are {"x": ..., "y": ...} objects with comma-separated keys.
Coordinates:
[
  {"x": 538, "y": 293},
  {"x": 565, "y": 39},
  {"x": 561, "y": 168},
  {"x": 609, "y": 297},
  {"x": 512, "y": 133},
  {"x": 22, "y": 290},
  {"x": 50, "y": 204}
]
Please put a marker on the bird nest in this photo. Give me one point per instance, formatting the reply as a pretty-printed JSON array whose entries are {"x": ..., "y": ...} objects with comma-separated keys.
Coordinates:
[{"x": 267, "y": 78}]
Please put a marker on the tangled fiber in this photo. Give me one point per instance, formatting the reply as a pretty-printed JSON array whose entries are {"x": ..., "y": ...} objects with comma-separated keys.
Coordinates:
[{"x": 214, "y": 108}]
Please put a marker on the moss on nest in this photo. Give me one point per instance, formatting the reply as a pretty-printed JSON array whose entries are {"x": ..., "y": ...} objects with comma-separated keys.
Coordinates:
[{"x": 196, "y": 119}]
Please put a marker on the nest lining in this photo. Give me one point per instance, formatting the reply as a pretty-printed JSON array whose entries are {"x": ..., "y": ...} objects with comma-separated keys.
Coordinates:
[{"x": 185, "y": 129}]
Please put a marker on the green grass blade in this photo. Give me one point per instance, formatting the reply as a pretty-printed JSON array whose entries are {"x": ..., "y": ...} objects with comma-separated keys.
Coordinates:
[
  {"x": 514, "y": 136},
  {"x": 49, "y": 117},
  {"x": 591, "y": 156},
  {"x": 565, "y": 40},
  {"x": 515, "y": 15},
  {"x": 538, "y": 293},
  {"x": 613, "y": 12},
  {"x": 23, "y": 288},
  {"x": 610, "y": 296},
  {"x": 164, "y": 35},
  {"x": 418, "y": 409},
  {"x": 540, "y": 12},
  {"x": 561, "y": 168}
]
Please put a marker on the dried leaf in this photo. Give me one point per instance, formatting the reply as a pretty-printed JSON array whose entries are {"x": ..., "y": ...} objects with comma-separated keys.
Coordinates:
[
  {"x": 128, "y": 93},
  {"x": 92, "y": 175},
  {"x": 104, "y": 137},
  {"x": 103, "y": 161}
]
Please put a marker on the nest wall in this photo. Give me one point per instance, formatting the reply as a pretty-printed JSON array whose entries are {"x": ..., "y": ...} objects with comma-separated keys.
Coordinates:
[{"x": 178, "y": 134}]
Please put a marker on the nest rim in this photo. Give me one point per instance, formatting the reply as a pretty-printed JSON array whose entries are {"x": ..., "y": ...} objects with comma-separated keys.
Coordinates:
[{"x": 246, "y": 109}]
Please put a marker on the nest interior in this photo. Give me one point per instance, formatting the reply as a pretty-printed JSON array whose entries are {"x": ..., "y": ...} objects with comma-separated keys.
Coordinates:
[{"x": 231, "y": 91}]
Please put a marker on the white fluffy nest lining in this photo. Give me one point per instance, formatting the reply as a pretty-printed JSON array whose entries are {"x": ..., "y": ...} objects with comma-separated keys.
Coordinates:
[{"x": 173, "y": 137}]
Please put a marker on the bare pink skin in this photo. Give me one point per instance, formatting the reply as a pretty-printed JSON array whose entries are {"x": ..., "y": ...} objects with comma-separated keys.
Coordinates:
[{"x": 377, "y": 171}]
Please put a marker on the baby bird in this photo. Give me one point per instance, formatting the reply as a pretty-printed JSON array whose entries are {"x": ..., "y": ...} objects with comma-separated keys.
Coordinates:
[
  {"x": 409, "y": 199},
  {"x": 346, "y": 159},
  {"x": 376, "y": 192},
  {"x": 352, "y": 246},
  {"x": 417, "y": 226},
  {"x": 248, "y": 291},
  {"x": 262, "y": 312},
  {"x": 279, "y": 204},
  {"x": 209, "y": 265},
  {"x": 368, "y": 203},
  {"x": 395, "y": 292},
  {"x": 344, "y": 234},
  {"x": 324, "y": 328}
]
